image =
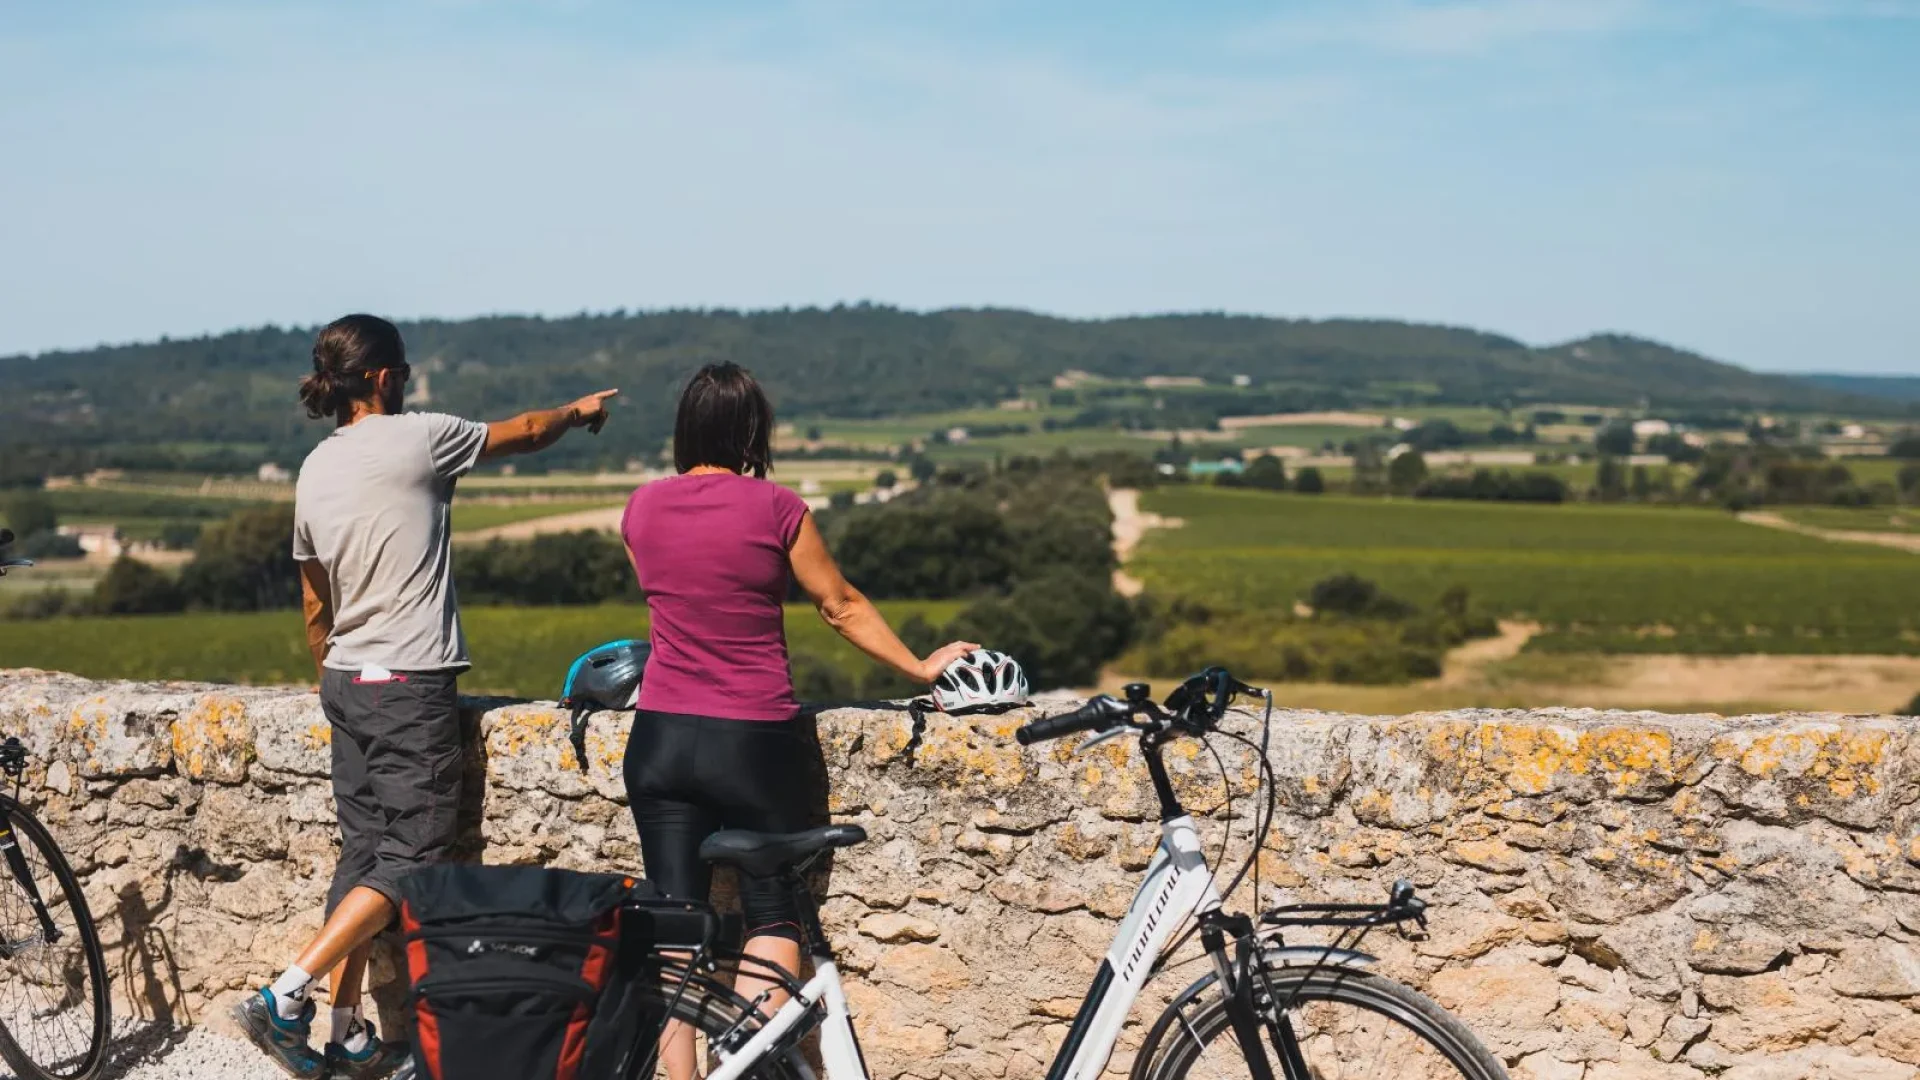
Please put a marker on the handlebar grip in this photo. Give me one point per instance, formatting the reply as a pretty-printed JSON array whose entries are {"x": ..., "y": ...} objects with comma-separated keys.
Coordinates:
[{"x": 1102, "y": 712}]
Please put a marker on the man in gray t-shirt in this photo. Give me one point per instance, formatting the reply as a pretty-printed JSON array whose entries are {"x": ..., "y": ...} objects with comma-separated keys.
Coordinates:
[
  {"x": 372, "y": 506},
  {"x": 373, "y": 538}
]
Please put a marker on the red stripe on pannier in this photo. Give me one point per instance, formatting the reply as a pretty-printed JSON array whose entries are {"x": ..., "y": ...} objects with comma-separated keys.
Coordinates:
[
  {"x": 574, "y": 1049},
  {"x": 594, "y": 968},
  {"x": 426, "y": 1028}
]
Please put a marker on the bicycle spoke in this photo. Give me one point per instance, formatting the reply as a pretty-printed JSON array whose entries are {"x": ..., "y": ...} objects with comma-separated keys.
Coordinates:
[
  {"x": 46, "y": 1000},
  {"x": 1337, "y": 1039}
]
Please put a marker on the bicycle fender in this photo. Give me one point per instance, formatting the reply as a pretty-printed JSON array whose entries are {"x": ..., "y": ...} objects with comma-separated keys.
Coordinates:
[
  {"x": 1274, "y": 957},
  {"x": 1316, "y": 956}
]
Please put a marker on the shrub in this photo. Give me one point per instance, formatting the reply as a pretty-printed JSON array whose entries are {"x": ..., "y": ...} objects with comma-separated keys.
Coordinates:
[
  {"x": 1356, "y": 597},
  {"x": 245, "y": 563},
  {"x": 131, "y": 587},
  {"x": 555, "y": 568},
  {"x": 49, "y": 545},
  {"x": 1357, "y": 635},
  {"x": 1267, "y": 473},
  {"x": 180, "y": 535},
  {"x": 1615, "y": 440},
  {"x": 945, "y": 545},
  {"x": 1309, "y": 482},
  {"x": 1406, "y": 471},
  {"x": 1913, "y": 707},
  {"x": 28, "y": 514},
  {"x": 1062, "y": 628},
  {"x": 1435, "y": 435},
  {"x": 45, "y": 604}
]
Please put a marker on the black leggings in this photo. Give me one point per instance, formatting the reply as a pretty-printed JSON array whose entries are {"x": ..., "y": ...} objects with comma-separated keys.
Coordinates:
[{"x": 691, "y": 776}]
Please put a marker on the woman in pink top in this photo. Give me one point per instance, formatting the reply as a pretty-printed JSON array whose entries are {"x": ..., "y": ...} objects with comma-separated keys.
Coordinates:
[{"x": 716, "y": 743}]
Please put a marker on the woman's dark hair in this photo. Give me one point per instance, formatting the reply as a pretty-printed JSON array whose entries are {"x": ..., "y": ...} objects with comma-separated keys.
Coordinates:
[
  {"x": 725, "y": 419},
  {"x": 346, "y": 354}
]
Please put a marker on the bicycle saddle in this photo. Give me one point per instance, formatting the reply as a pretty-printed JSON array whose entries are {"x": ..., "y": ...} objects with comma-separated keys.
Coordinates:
[{"x": 772, "y": 854}]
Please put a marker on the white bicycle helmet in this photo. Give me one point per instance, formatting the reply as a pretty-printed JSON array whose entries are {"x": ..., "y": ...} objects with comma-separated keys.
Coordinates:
[{"x": 981, "y": 681}]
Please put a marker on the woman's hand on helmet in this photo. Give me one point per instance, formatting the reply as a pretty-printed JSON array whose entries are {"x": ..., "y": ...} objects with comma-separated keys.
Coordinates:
[{"x": 942, "y": 658}]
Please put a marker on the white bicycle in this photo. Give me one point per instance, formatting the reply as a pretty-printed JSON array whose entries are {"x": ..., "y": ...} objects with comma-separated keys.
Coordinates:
[{"x": 1266, "y": 1009}]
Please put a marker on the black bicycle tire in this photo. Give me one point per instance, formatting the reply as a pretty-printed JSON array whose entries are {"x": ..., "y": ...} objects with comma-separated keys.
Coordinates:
[
  {"x": 1364, "y": 989},
  {"x": 714, "y": 1009},
  {"x": 24, "y": 823}
]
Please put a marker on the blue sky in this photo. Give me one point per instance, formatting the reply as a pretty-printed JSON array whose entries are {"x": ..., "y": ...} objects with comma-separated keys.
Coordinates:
[{"x": 1740, "y": 177}]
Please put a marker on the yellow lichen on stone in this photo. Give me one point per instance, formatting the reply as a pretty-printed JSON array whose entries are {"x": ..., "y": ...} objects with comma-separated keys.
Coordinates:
[
  {"x": 950, "y": 747},
  {"x": 318, "y": 736},
  {"x": 1842, "y": 757},
  {"x": 515, "y": 730},
  {"x": 215, "y": 736},
  {"x": 1527, "y": 758}
]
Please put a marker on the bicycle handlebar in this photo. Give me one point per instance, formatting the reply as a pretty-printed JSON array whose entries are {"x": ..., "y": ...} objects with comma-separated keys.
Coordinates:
[
  {"x": 1195, "y": 706},
  {"x": 8, "y": 562},
  {"x": 1099, "y": 714}
]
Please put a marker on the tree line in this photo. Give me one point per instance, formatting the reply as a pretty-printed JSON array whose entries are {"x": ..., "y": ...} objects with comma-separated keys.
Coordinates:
[{"x": 223, "y": 403}]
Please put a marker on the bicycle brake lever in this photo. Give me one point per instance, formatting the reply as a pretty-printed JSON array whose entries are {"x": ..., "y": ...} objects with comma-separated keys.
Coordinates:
[{"x": 1106, "y": 736}]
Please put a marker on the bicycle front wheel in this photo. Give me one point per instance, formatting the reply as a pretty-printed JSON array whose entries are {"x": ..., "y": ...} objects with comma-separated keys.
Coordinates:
[
  {"x": 1346, "y": 1024},
  {"x": 54, "y": 1008}
]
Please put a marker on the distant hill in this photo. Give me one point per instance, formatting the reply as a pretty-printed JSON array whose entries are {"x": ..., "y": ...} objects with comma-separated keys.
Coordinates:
[
  {"x": 232, "y": 395},
  {"x": 1890, "y": 387}
]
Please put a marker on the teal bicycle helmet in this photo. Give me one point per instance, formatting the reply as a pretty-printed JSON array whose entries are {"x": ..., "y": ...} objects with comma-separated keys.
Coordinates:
[{"x": 604, "y": 677}]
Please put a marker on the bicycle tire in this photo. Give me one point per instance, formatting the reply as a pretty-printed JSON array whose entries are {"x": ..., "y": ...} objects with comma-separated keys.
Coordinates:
[
  {"x": 713, "y": 1009},
  {"x": 1192, "y": 1032},
  {"x": 77, "y": 1064}
]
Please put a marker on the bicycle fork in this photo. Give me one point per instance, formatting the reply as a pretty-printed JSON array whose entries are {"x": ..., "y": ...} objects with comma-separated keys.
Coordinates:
[
  {"x": 17, "y": 862},
  {"x": 1237, "y": 979}
]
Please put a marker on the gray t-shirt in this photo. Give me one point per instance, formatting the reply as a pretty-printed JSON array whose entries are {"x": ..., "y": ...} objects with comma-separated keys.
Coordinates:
[{"x": 373, "y": 505}]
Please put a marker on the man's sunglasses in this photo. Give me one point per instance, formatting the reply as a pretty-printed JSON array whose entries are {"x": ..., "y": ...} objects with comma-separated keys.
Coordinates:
[{"x": 404, "y": 371}]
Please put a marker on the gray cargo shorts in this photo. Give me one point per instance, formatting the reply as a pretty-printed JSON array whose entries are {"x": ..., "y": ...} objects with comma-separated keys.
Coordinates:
[{"x": 397, "y": 765}]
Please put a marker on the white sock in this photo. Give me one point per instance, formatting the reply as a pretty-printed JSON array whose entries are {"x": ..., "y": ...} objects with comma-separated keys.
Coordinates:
[
  {"x": 290, "y": 992},
  {"x": 349, "y": 1029}
]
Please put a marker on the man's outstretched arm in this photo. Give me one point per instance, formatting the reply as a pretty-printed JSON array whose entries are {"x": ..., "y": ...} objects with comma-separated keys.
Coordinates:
[{"x": 534, "y": 431}]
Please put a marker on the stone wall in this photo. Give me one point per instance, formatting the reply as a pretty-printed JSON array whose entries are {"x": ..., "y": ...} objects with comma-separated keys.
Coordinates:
[{"x": 1619, "y": 895}]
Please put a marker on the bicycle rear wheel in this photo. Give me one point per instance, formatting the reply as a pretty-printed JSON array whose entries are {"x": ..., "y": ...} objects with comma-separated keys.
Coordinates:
[
  {"x": 54, "y": 1006},
  {"x": 1349, "y": 1025},
  {"x": 712, "y": 1010}
]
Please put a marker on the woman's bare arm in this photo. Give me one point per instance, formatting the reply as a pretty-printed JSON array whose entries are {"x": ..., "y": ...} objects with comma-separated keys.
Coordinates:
[{"x": 851, "y": 614}]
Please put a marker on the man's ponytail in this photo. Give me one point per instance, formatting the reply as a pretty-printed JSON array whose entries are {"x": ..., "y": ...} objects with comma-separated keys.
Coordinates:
[{"x": 346, "y": 354}]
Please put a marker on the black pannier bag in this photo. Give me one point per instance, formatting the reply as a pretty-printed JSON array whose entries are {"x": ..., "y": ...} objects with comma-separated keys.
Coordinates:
[
  {"x": 520, "y": 973},
  {"x": 508, "y": 965}
]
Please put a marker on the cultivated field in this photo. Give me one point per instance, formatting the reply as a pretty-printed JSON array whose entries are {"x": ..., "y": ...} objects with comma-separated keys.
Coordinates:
[
  {"x": 1598, "y": 579},
  {"x": 518, "y": 651}
]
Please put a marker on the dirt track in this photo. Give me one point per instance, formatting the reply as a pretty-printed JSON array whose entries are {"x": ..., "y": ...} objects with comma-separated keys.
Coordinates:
[
  {"x": 1130, "y": 524},
  {"x": 604, "y": 519},
  {"x": 1902, "y": 541}
]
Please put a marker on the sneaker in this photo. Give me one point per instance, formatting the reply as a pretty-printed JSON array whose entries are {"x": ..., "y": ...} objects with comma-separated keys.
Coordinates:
[
  {"x": 287, "y": 1042},
  {"x": 377, "y": 1061}
]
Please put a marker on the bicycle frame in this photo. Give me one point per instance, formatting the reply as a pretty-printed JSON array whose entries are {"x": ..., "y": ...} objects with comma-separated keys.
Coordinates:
[
  {"x": 1177, "y": 884},
  {"x": 16, "y": 861}
]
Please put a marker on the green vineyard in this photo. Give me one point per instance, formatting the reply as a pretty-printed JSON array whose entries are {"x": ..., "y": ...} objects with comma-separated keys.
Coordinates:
[
  {"x": 1598, "y": 578},
  {"x": 523, "y": 652}
]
